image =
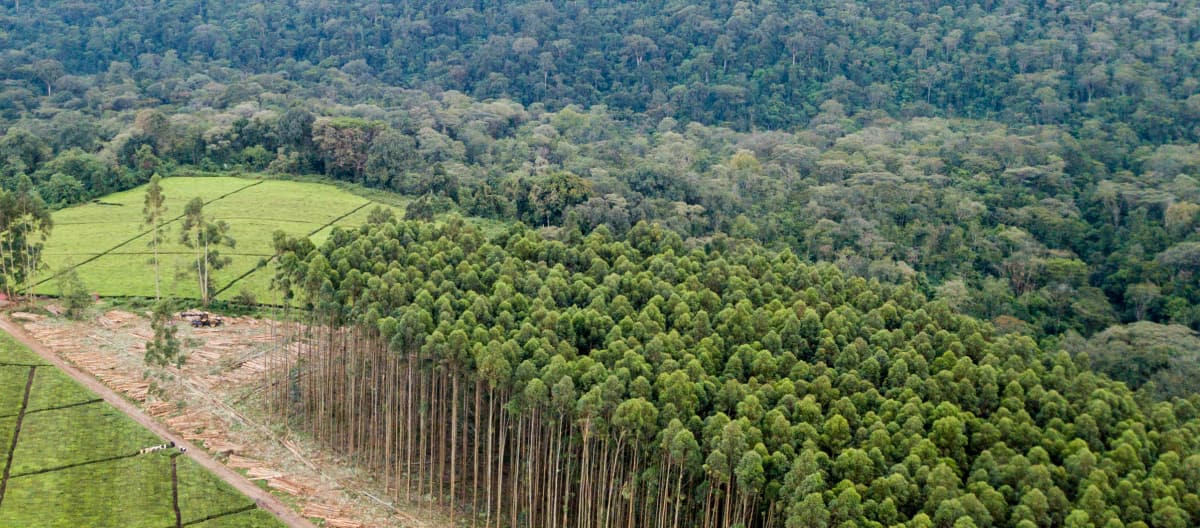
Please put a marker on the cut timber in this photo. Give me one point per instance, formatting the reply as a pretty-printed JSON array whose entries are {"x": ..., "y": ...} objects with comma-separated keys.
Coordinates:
[
  {"x": 241, "y": 462},
  {"x": 332, "y": 515},
  {"x": 116, "y": 319},
  {"x": 160, "y": 409},
  {"x": 221, "y": 366},
  {"x": 289, "y": 487}
]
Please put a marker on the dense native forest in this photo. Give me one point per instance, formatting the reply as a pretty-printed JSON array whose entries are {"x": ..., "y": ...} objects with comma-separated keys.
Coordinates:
[
  {"x": 1033, "y": 164},
  {"x": 1012, "y": 188}
]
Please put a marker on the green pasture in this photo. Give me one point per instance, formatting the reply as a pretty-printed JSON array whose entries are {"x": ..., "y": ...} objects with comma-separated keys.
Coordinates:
[
  {"x": 76, "y": 462},
  {"x": 110, "y": 246}
]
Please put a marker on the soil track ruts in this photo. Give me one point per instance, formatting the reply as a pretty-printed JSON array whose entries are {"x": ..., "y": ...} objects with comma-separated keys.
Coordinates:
[{"x": 265, "y": 500}]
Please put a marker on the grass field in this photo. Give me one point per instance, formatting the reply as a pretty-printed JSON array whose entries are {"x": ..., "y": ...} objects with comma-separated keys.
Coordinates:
[
  {"x": 108, "y": 241},
  {"x": 76, "y": 461}
]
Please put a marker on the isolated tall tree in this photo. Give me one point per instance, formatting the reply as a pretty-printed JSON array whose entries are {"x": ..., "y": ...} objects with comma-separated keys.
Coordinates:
[
  {"x": 165, "y": 349},
  {"x": 153, "y": 211},
  {"x": 205, "y": 237},
  {"x": 25, "y": 224}
]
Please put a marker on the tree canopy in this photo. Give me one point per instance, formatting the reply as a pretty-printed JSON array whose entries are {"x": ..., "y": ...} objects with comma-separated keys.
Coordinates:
[{"x": 704, "y": 385}]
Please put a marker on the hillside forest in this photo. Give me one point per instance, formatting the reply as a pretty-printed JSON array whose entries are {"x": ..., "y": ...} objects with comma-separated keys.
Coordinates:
[{"x": 751, "y": 254}]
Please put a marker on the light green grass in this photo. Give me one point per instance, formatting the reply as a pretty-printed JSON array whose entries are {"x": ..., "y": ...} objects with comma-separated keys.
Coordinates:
[
  {"x": 12, "y": 389},
  {"x": 94, "y": 228},
  {"x": 201, "y": 494},
  {"x": 250, "y": 519},
  {"x": 77, "y": 434},
  {"x": 121, "y": 275},
  {"x": 53, "y": 388},
  {"x": 254, "y": 211},
  {"x": 133, "y": 492},
  {"x": 127, "y": 492},
  {"x": 7, "y": 425},
  {"x": 287, "y": 201},
  {"x": 12, "y": 351}
]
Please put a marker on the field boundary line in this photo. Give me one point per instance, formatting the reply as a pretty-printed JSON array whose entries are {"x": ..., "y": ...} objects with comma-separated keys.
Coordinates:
[
  {"x": 261, "y": 497},
  {"x": 12, "y": 450},
  {"x": 139, "y": 235},
  {"x": 175, "y": 490},
  {"x": 43, "y": 471},
  {"x": 59, "y": 407},
  {"x": 272, "y": 259},
  {"x": 243, "y": 509}
]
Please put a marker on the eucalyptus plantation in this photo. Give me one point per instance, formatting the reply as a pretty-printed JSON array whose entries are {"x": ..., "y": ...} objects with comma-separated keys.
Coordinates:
[{"x": 602, "y": 382}]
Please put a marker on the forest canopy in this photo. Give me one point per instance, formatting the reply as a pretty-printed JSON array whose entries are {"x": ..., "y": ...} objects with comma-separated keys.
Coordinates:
[
  {"x": 750, "y": 65},
  {"x": 752, "y": 264},
  {"x": 642, "y": 381},
  {"x": 1031, "y": 164}
]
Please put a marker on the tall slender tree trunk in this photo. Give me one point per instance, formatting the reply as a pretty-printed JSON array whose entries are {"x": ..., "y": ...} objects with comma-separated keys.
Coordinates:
[
  {"x": 154, "y": 234},
  {"x": 453, "y": 443}
]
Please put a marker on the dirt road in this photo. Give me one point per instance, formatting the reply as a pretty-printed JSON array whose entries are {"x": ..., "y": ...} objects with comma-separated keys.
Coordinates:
[{"x": 264, "y": 499}]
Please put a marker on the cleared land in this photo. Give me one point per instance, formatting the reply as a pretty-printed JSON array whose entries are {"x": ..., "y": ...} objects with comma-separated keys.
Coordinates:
[
  {"x": 70, "y": 459},
  {"x": 110, "y": 245}
]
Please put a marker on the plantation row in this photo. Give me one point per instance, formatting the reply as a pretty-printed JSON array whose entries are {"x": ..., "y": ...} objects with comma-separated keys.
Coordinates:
[{"x": 594, "y": 381}]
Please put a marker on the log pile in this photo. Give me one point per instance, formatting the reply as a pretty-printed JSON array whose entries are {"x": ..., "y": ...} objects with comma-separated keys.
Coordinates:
[
  {"x": 26, "y": 316},
  {"x": 200, "y": 426},
  {"x": 160, "y": 409},
  {"x": 102, "y": 368},
  {"x": 116, "y": 319},
  {"x": 226, "y": 359},
  {"x": 67, "y": 346},
  {"x": 257, "y": 470},
  {"x": 59, "y": 340},
  {"x": 290, "y": 487},
  {"x": 332, "y": 515}
]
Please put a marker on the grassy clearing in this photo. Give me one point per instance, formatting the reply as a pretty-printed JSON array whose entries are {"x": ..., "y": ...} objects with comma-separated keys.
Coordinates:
[
  {"x": 121, "y": 275},
  {"x": 94, "y": 228},
  {"x": 7, "y": 425},
  {"x": 12, "y": 351},
  {"x": 288, "y": 201},
  {"x": 100, "y": 490},
  {"x": 102, "y": 238}
]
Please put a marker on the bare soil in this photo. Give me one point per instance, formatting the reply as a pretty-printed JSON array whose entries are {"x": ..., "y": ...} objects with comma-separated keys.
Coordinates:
[{"x": 214, "y": 401}]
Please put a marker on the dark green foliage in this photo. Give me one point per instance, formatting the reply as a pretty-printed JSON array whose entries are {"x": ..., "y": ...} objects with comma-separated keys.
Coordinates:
[
  {"x": 716, "y": 384},
  {"x": 74, "y": 293},
  {"x": 24, "y": 225},
  {"x": 165, "y": 348},
  {"x": 205, "y": 237},
  {"x": 1165, "y": 356},
  {"x": 750, "y": 65},
  {"x": 1039, "y": 159}
]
